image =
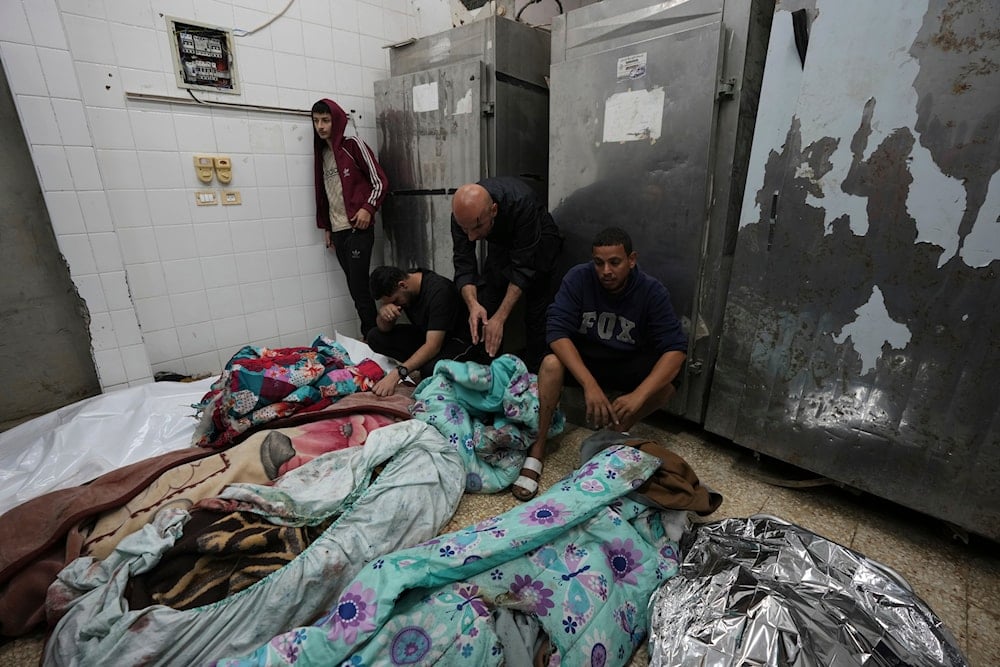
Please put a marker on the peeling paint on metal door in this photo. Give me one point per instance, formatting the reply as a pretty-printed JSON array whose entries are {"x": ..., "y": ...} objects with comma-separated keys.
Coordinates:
[{"x": 861, "y": 329}]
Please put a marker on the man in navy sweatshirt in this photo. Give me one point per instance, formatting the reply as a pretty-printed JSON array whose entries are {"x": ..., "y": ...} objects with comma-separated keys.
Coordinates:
[{"x": 612, "y": 327}]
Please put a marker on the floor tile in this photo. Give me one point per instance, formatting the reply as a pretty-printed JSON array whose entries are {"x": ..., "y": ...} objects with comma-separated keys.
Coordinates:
[
  {"x": 813, "y": 509},
  {"x": 984, "y": 576},
  {"x": 925, "y": 561},
  {"x": 742, "y": 497},
  {"x": 984, "y": 638}
]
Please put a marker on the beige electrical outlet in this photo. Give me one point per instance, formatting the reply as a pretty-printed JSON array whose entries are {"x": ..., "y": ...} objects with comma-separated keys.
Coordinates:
[
  {"x": 206, "y": 197},
  {"x": 203, "y": 166},
  {"x": 223, "y": 169},
  {"x": 231, "y": 198}
]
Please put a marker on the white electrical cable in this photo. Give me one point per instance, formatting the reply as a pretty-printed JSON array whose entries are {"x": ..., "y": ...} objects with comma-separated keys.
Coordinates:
[{"x": 240, "y": 32}]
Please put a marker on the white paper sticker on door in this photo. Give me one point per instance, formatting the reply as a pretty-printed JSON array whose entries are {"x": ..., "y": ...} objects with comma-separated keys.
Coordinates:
[
  {"x": 425, "y": 97},
  {"x": 632, "y": 67},
  {"x": 636, "y": 115}
]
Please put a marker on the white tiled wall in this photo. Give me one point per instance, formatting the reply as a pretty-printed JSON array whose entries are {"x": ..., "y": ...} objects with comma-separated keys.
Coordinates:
[{"x": 170, "y": 285}]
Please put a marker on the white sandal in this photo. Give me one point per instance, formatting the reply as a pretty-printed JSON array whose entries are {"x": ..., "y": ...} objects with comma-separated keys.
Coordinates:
[{"x": 526, "y": 483}]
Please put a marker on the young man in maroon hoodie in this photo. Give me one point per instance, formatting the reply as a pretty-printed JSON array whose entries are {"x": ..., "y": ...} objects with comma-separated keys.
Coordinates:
[{"x": 350, "y": 187}]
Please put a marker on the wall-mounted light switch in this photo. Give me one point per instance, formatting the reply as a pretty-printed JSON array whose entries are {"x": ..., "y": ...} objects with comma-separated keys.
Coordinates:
[{"x": 206, "y": 197}]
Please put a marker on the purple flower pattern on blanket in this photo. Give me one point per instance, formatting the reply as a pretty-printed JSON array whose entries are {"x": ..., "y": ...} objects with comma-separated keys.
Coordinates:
[
  {"x": 544, "y": 514},
  {"x": 532, "y": 595},
  {"x": 624, "y": 560},
  {"x": 355, "y": 613},
  {"x": 581, "y": 562}
]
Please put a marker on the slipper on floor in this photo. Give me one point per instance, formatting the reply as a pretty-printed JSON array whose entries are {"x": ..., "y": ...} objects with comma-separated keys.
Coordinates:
[{"x": 527, "y": 487}]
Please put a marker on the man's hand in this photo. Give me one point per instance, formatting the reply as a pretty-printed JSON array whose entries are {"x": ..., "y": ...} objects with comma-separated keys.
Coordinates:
[
  {"x": 627, "y": 406},
  {"x": 477, "y": 318},
  {"x": 362, "y": 219},
  {"x": 387, "y": 385},
  {"x": 600, "y": 412},
  {"x": 389, "y": 313},
  {"x": 493, "y": 335},
  {"x": 329, "y": 238}
]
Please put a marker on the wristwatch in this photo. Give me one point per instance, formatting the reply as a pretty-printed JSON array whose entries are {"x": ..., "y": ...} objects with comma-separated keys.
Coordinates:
[{"x": 403, "y": 372}]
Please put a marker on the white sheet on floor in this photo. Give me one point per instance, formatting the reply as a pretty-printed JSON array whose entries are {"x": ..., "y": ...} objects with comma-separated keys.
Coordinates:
[
  {"x": 359, "y": 351},
  {"x": 80, "y": 442},
  {"x": 84, "y": 440}
]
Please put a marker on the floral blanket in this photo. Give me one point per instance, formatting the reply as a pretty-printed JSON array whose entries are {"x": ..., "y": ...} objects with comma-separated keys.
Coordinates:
[
  {"x": 581, "y": 559},
  {"x": 490, "y": 413},
  {"x": 259, "y": 385}
]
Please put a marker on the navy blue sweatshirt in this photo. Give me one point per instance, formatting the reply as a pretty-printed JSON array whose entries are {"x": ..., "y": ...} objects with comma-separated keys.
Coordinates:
[{"x": 640, "y": 318}]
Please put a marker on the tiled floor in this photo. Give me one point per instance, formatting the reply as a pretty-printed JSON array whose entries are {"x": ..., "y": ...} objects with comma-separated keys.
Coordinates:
[{"x": 960, "y": 582}]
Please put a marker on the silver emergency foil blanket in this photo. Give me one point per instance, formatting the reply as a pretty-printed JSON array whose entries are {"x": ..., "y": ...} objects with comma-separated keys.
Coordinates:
[{"x": 761, "y": 591}]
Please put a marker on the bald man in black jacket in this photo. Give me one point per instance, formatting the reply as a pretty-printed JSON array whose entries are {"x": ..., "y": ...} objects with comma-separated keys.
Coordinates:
[{"x": 523, "y": 244}]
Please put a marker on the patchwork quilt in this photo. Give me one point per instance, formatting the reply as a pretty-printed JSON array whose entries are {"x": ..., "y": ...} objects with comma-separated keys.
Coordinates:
[{"x": 259, "y": 385}]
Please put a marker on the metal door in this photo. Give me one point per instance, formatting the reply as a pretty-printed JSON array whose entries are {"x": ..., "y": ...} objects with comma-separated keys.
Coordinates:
[
  {"x": 632, "y": 121},
  {"x": 861, "y": 326},
  {"x": 430, "y": 138}
]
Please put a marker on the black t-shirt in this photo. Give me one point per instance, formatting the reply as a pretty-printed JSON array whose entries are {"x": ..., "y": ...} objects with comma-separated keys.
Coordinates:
[{"x": 438, "y": 307}]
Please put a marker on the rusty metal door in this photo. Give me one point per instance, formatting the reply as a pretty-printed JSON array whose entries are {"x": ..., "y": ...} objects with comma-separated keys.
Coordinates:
[{"x": 861, "y": 328}]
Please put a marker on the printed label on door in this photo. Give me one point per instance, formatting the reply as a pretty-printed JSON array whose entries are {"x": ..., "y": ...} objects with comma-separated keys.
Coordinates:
[{"x": 632, "y": 67}]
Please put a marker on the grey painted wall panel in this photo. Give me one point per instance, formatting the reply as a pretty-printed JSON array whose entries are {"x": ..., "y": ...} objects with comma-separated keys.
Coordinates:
[
  {"x": 489, "y": 118},
  {"x": 44, "y": 340}
]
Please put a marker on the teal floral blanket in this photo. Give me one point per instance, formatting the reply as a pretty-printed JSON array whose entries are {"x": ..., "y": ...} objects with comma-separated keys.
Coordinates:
[
  {"x": 490, "y": 413},
  {"x": 582, "y": 559}
]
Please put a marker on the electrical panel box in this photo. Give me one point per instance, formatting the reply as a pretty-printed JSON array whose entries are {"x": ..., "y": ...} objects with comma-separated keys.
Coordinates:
[{"x": 203, "y": 56}]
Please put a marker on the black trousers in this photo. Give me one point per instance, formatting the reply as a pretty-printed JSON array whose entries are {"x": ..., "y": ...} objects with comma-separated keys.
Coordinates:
[
  {"x": 404, "y": 339},
  {"x": 354, "y": 253}
]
